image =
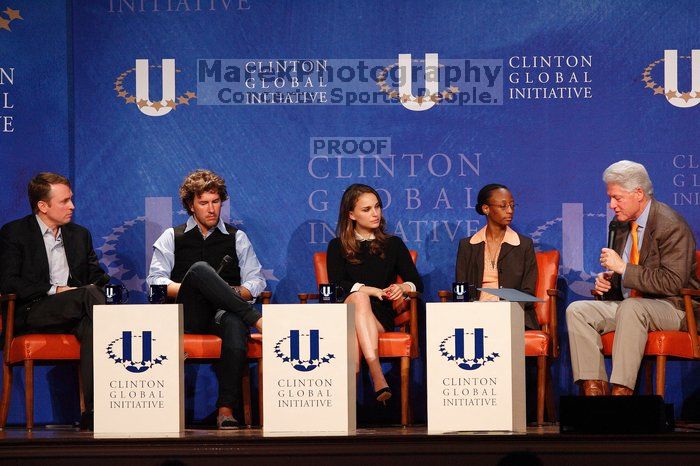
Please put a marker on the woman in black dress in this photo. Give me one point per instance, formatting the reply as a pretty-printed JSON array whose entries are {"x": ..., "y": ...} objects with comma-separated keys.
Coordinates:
[{"x": 365, "y": 261}]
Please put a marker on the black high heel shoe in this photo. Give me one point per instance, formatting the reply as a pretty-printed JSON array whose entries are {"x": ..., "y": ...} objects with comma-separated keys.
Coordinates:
[{"x": 383, "y": 395}]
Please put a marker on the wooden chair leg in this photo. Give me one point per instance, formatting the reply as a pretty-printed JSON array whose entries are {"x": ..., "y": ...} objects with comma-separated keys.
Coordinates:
[
  {"x": 6, "y": 390},
  {"x": 260, "y": 390},
  {"x": 29, "y": 392},
  {"x": 405, "y": 381},
  {"x": 550, "y": 409},
  {"x": 660, "y": 375},
  {"x": 541, "y": 384},
  {"x": 81, "y": 391},
  {"x": 247, "y": 416},
  {"x": 647, "y": 377}
]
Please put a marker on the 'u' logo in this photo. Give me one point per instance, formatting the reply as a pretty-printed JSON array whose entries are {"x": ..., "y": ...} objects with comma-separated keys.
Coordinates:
[
  {"x": 478, "y": 348},
  {"x": 168, "y": 69},
  {"x": 145, "y": 350},
  {"x": 431, "y": 81},
  {"x": 313, "y": 349},
  {"x": 459, "y": 289},
  {"x": 671, "y": 78}
]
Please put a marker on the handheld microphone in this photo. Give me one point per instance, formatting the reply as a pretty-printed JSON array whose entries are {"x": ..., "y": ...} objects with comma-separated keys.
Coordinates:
[
  {"x": 612, "y": 229},
  {"x": 224, "y": 262},
  {"x": 611, "y": 234}
]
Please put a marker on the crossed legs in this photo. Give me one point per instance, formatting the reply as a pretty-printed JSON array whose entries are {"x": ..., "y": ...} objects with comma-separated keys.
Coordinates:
[
  {"x": 367, "y": 329},
  {"x": 71, "y": 311},
  {"x": 204, "y": 293}
]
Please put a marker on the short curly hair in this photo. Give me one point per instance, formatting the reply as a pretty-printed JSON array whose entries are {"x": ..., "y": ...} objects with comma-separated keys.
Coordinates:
[{"x": 199, "y": 182}]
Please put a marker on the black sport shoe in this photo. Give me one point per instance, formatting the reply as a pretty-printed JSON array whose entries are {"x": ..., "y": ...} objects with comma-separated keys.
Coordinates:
[{"x": 224, "y": 422}]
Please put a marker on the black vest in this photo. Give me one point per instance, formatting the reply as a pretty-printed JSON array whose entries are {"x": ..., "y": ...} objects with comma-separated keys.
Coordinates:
[{"x": 191, "y": 247}]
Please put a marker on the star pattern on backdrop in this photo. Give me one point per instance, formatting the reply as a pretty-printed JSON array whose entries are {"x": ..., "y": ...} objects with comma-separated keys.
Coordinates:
[
  {"x": 12, "y": 15},
  {"x": 657, "y": 89},
  {"x": 111, "y": 261},
  {"x": 447, "y": 94},
  {"x": 578, "y": 281},
  {"x": 183, "y": 99}
]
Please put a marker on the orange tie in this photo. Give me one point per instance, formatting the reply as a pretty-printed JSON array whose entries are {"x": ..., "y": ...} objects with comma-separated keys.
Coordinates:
[{"x": 634, "y": 253}]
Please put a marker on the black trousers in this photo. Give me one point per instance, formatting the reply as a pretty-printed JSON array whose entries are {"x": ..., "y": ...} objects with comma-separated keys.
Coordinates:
[
  {"x": 69, "y": 312},
  {"x": 203, "y": 293}
]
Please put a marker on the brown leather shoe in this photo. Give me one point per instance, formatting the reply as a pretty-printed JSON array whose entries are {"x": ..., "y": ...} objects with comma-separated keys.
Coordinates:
[
  {"x": 595, "y": 388},
  {"x": 621, "y": 390}
]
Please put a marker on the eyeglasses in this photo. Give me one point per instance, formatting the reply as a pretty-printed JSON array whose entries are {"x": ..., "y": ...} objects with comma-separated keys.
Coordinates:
[{"x": 512, "y": 206}]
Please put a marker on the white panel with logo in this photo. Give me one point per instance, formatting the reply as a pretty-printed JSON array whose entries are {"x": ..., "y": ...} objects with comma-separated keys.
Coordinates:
[
  {"x": 309, "y": 359},
  {"x": 476, "y": 366},
  {"x": 139, "y": 372}
]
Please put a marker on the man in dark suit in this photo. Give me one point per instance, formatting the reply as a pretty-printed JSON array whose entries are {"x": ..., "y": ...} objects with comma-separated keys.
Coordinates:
[
  {"x": 49, "y": 263},
  {"x": 653, "y": 258}
]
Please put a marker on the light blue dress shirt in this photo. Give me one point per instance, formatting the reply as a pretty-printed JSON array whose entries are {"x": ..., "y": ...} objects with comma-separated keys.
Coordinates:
[
  {"x": 56, "y": 255},
  {"x": 164, "y": 258}
]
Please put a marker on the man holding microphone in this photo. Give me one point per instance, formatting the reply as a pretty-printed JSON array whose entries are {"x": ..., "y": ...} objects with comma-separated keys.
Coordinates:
[{"x": 652, "y": 258}]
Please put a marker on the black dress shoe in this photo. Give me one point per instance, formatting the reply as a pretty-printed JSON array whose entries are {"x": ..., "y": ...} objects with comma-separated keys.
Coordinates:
[{"x": 87, "y": 421}]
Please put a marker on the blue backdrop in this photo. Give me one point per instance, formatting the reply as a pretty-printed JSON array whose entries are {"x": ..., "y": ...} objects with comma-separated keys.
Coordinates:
[{"x": 539, "y": 96}]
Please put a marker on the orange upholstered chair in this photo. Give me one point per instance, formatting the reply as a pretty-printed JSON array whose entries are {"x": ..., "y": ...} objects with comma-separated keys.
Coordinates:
[
  {"x": 28, "y": 350},
  {"x": 668, "y": 344},
  {"x": 541, "y": 344},
  {"x": 206, "y": 348},
  {"x": 402, "y": 343}
]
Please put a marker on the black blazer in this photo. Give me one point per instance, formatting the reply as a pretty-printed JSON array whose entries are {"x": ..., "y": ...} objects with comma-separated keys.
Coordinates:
[
  {"x": 517, "y": 269},
  {"x": 24, "y": 266}
]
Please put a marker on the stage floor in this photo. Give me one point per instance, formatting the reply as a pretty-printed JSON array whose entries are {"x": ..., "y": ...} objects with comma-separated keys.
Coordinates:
[{"x": 385, "y": 446}]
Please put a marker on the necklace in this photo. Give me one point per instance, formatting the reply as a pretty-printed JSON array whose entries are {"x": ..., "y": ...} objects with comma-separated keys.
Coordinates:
[{"x": 493, "y": 256}]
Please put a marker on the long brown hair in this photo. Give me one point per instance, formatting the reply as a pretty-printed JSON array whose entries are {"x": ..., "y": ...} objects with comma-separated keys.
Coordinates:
[{"x": 346, "y": 226}]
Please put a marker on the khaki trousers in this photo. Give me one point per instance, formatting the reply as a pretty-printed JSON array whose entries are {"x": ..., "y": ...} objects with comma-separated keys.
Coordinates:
[{"x": 631, "y": 320}]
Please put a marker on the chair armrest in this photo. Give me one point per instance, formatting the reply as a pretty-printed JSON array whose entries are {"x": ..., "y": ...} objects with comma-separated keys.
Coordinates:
[
  {"x": 412, "y": 294},
  {"x": 690, "y": 291},
  {"x": 444, "y": 295}
]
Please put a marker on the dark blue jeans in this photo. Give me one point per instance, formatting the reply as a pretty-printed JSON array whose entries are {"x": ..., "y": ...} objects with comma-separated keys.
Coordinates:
[{"x": 203, "y": 293}]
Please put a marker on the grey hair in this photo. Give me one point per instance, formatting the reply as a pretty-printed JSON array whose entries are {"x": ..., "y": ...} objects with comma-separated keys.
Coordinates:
[{"x": 630, "y": 176}]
